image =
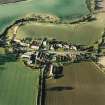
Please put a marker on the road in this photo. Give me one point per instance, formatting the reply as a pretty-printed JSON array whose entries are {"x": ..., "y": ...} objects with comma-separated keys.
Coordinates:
[{"x": 82, "y": 84}]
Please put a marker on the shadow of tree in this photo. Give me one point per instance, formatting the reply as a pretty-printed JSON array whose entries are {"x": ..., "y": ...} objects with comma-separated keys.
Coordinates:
[
  {"x": 59, "y": 76},
  {"x": 4, "y": 58},
  {"x": 60, "y": 88},
  {"x": 2, "y": 68}
]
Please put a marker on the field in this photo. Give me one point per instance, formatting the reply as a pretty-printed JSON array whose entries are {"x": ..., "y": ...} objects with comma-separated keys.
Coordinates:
[
  {"x": 8, "y": 1},
  {"x": 84, "y": 33},
  {"x": 61, "y": 8},
  {"x": 82, "y": 84},
  {"x": 18, "y": 84}
]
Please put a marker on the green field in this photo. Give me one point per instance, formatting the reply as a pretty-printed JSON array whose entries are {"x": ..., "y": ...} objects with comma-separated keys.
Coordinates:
[
  {"x": 62, "y": 8},
  {"x": 18, "y": 84},
  {"x": 79, "y": 33}
]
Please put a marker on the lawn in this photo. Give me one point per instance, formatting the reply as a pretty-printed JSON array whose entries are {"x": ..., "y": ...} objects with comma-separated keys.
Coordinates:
[{"x": 18, "y": 84}]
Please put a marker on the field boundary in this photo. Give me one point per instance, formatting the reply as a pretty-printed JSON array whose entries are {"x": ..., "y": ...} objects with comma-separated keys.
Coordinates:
[{"x": 41, "y": 92}]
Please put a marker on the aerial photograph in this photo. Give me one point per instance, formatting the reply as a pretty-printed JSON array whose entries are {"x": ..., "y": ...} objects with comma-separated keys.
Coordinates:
[{"x": 52, "y": 52}]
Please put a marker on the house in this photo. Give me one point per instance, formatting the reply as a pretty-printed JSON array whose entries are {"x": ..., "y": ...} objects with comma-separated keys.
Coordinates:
[
  {"x": 66, "y": 47},
  {"x": 73, "y": 48},
  {"x": 51, "y": 67},
  {"x": 16, "y": 40},
  {"x": 24, "y": 44},
  {"x": 55, "y": 70},
  {"x": 26, "y": 55},
  {"x": 51, "y": 47},
  {"x": 34, "y": 47},
  {"x": 59, "y": 45},
  {"x": 44, "y": 42}
]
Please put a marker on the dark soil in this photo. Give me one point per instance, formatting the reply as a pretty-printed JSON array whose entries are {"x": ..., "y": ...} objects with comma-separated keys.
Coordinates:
[{"x": 81, "y": 84}]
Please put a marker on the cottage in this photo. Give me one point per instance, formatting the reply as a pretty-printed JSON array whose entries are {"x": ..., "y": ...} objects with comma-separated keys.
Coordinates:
[
  {"x": 51, "y": 67},
  {"x": 44, "y": 43},
  {"x": 24, "y": 44},
  {"x": 34, "y": 47},
  {"x": 51, "y": 47},
  {"x": 73, "y": 48},
  {"x": 17, "y": 40},
  {"x": 27, "y": 55},
  {"x": 60, "y": 45},
  {"x": 66, "y": 47}
]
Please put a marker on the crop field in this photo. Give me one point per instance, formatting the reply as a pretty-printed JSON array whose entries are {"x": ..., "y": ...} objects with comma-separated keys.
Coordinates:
[
  {"x": 85, "y": 33},
  {"x": 62, "y": 8},
  {"x": 78, "y": 33},
  {"x": 18, "y": 84}
]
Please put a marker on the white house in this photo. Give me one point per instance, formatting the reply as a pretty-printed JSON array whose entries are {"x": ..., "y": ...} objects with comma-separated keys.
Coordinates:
[
  {"x": 51, "y": 47},
  {"x": 27, "y": 55},
  {"x": 73, "y": 48},
  {"x": 51, "y": 70},
  {"x": 34, "y": 47},
  {"x": 44, "y": 43}
]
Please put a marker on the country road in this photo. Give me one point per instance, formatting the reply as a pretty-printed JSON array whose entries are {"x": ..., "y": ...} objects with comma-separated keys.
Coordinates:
[{"x": 82, "y": 84}]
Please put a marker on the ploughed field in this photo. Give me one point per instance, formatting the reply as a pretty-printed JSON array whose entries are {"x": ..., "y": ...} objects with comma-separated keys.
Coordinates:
[
  {"x": 18, "y": 84},
  {"x": 62, "y": 8},
  {"x": 82, "y": 84}
]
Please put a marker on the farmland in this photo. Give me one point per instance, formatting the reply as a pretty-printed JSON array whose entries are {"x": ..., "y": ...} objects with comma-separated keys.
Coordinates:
[
  {"x": 18, "y": 84},
  {"x": 83, "y": 33},
  {"x": 82, "y": 84},
  {"x": 80, "y": 35}
]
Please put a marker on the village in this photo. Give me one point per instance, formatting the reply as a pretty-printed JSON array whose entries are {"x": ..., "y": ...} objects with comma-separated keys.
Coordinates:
[{"x": 48, "y": 54}]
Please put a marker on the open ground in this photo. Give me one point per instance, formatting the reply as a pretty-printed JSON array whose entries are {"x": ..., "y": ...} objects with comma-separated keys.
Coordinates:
[
  {"x": 82, "y": 84},
  {"x": 18, "y": 84},
  {"x": 86, "y": 33}
]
